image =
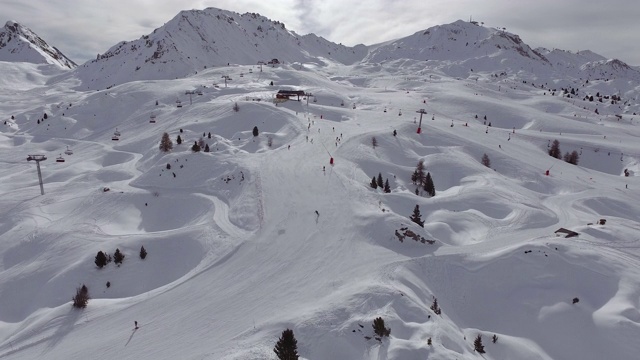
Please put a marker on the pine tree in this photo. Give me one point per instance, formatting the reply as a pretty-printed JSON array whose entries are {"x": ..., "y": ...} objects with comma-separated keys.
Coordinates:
[
  {"x": 374, "y": 183},
  {"x": 287, "y": 346},
  {"x": 419, "y": 173},
  {"x": 206, "y": 148},
  {"x": 143, "y": 253},
  {"x": 165, "y": 143},
  {"x": 555, "y": 149},
  {"x": 81, "y": 299},
  {"x": 101, "y": 259},
  {"x": 379, "y": 180},
  {"x": 434, "y": 306},
  {"x": 118, "y": 257},
  {"x": 374, "y": 142},
  {"x": 477, "y": 345},
  {"x": 379, "y": 329},
  {"x": 178, "y": 140},
  {"x": 255, "y": 131},
  {"x": 416, "y": 217},
  {"x": 387, "y": 188},
  {"x": 236, "y": 108},
  {"x": 209, "y": 135},
  {"x": 485, "y": 160},
  {"x": 574, "y": 157},
  {"x": 195, "y": 147},
  {"x": 429, "y": 188}
]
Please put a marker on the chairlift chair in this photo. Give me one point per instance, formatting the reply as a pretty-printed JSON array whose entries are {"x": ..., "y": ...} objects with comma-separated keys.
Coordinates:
[
  {"x": 68, "y": 151},
  {"x": 116, "y": 133},
  {"x": 179, "y": 103},
  {"x": 152, "y": 119},
  {"x": 115, "y": 138},
  {"x": 60, "y": 159}
]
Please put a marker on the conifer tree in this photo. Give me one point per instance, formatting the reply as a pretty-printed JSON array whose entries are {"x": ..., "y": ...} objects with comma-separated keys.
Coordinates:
[
  {"x": 287, "y": 346},
  {"x": 434, "y": 306},
  {"x": 81, "y": 299},
  {"x": 429, "y": 188},
  {"x": 379, "y": 180},
  {"x": 416, "y": 217},
  {"x": 195, "y": 147},
  {"x": 418, "y": 173},
  {"x": 374, "y": 142},
  {"x": 143, "y": 253},
  {"x": 387, "y": 188},
  {"x": 477, "y": 345},
  {"x": 165, "y": 143},
  {"x": 209, "y": 135},
  {"x": 101, "y": 259},
  {"x": 379, "y": 329},
  {"x": 118, "y": 257},
  {"x": 374, "y": 183},
  {"x": 555, "y": 149},
  {"x": 206, "y": 148},
  {"x": 255, "y": 131},
  {"x": 178, "y": 140},
  {"x": 485, "y": 160}
]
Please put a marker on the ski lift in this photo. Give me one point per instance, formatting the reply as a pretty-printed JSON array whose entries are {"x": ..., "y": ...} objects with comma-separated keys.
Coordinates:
[
  {"x": 152, "y": 119},
  {"x": 315, "y": 100},
  {"x": 354, "y": 105},
  {"x": 400, "y": 113},
  {"x": 178, "y": 103},
  {"x": 385, "y": 109},
  {"x": 60, "y": 159},
  {"x": 199, "y": 92},
  {"x": 68, "y": 151},
  {"x": 342, "y": 103},
  {"x": 250, "y": 70},
  {"x": 116, "y": 133},
  {"x": 241, "y": 75},
  {"x": 115, "y": 138}
]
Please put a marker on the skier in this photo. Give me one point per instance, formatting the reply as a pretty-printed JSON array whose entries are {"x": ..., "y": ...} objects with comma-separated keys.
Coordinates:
[
  {"x": 136, "y": 325},
  {"x": 395, "y": 132}
]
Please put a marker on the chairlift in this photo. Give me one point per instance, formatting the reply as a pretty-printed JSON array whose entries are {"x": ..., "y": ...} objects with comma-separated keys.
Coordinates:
[
  {"x": 354, "y": 105},
  {"x": 199, "y": 92},
  {"x": 250, "y": 70},
  {"x": 385, "y": 109},
  {"x": 68, "y": 151},
  {"x": 179, "y": 103},
  {"x": 400, "y": 113},
  {"x": 241, "y": 75},
  {"x": 115, "y": 138},
  {"x": 60, "y": 159},
  {"x": 152, "y": 119},
  {"x": 116, "y": 133}
]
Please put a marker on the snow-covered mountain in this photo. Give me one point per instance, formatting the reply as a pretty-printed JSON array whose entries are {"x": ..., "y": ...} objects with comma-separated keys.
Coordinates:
[
  {"x": 198, "y": 39},
  {"x": 19, "y": 44},
  {"x": 308, "y": 215}
]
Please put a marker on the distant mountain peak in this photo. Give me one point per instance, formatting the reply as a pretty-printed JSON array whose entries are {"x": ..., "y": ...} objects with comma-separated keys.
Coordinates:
[
  {"x": 20, "y": 44},
  {"x": 195, "y": 40}
]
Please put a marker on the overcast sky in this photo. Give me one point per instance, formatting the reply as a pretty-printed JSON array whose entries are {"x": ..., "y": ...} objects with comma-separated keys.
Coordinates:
[{"x": 83, "y": 28}]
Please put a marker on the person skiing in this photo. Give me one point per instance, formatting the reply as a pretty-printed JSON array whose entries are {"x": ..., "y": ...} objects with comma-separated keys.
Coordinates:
[{"x": 136, "y": 325}]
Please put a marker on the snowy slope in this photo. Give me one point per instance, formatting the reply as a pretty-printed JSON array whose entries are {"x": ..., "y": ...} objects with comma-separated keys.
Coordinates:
[
  {"x": 237, "y": 254},
  {"x": 19, "y": 44}
]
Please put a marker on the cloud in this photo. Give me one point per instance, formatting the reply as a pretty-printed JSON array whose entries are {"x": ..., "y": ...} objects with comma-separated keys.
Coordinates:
[{"x": 83, "y": 28}]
